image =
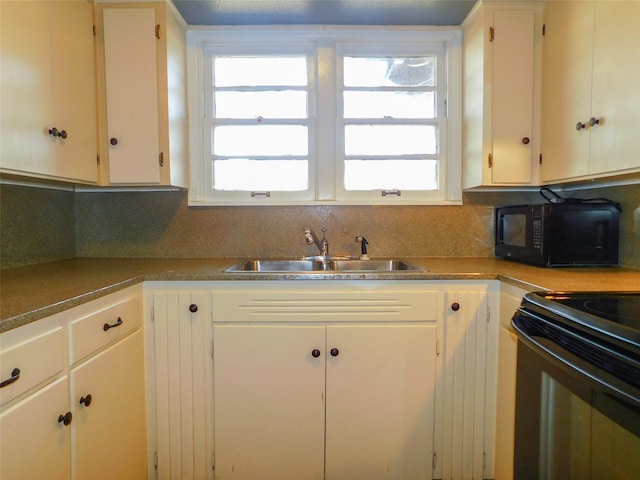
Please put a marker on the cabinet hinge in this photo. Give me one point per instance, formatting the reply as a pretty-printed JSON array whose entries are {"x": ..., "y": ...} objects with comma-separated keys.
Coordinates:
[
  {"x": 544, "y": 29},
  {"x": 434, "y": 460},
  {"x": 211, "y": 348},
  {"x": 437, "y": 348},
  {"x": 161, "y": 159},
  {"x": 213, "y": 462},
  {"x": 492, "y": 34},
  {"x": 158, "y": 31},
  {"x": 155, "y": 459},
  {"x": 98, "y": 159},
  {"x": 490, "y": 160},
  {"x": 152, "y": 314},
  {"x": 540, "y": 160},
  {"x": 488, "y": 313},
  {"x": 95, "y": 32}
]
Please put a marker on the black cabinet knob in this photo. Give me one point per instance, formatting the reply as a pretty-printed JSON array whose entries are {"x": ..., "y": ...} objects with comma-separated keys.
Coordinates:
[
  {"x": 66, "y": 418},
  {"x": 315, "y": 353},
  {"x": 455, "y": 306},
  {"x": 193, "y": 308},
  {"x": 86, "y": 400},
  {"x": 580, "y": 126},
  {"x": 525, "y": 141},
  {"x": 113, "y": 141},
  {"x": 334, "y": 352}
]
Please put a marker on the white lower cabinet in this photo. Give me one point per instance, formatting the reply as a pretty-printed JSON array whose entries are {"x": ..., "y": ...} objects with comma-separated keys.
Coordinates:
[
  {"x": 322, "y": 380},
  {"x": 466, "y": 381},
  {"x": 34, "y": 445},
  {"x": 324, "y": 401},
  {"x": 108, "y": 406},
  {"x": 75, "y": 409},
  {"x": 178, "y": 340}
]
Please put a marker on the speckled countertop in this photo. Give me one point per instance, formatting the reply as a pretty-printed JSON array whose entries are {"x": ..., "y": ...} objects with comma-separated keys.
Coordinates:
[{"x": 32, "y": 292}]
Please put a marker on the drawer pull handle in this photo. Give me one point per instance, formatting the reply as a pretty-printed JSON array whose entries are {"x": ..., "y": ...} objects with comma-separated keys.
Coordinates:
[
  {"x": 66, "y": 418},
  {"x": 193, "y": 308},
  {"x": 113, "y": 325},
  {"x": 455, "y": 306},
  {"x": 334, "y": 352},
  {"x": 86, "y": 400},
  {"x": 315, "y": 353},
  {"x": 15, "y": 375}
]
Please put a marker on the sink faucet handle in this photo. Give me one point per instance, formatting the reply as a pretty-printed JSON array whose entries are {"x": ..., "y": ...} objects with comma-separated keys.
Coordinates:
[{"x": 363, "y": 254}]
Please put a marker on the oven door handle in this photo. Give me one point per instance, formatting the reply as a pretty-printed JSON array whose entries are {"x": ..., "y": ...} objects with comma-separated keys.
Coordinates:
[{"x": 616, "y": 389}]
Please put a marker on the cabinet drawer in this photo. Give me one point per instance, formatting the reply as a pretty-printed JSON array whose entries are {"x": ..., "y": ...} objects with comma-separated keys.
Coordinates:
[
  {"x": 96, "y": 330},
  {"x": 37, "y": 359}
]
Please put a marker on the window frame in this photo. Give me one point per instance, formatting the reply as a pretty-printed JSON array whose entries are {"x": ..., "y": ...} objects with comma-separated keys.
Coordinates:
[{"x": 323, "y": 46}]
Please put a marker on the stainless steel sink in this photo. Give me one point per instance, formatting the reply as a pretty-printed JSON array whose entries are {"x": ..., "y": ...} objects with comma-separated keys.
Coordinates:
[{"x": 318, "y": 265}]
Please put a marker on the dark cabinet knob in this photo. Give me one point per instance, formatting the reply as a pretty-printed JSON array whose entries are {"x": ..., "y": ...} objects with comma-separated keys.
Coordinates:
[
  {"x": 525, "y": 141},
  {"x": 315, "y": 353},
  {"x": 455, "y": 306},
  {"x": 193, "y": 308},
  {"x": 66, "y": 418},
  {"x": 334, "y": 352},
  {"x": 580, "y": 126},
  {"x": 593, "y": 121},
  {"x": 86, "y": 401},
  {"x": 54, "y": 132},
  {"x": 113, "y": 141},
  {"x": 63, "y": 134}
]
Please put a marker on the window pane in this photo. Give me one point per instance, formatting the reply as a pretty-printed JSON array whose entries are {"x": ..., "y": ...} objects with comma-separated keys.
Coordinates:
[
  {"x": 389, "y": 71},
  {"x": 376, "y": 104},
  {"x": 260, "y": 140},
  {"x": 391, "y": 174},
  {"x": 260, "y": 175},
  {"x": 270, "y": 104},
  {"x": 260, "y": 71},
  {"x": 390, "y": 139}
]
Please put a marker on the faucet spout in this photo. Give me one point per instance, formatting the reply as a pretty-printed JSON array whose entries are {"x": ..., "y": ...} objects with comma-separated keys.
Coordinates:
[{"x": 312, "y": 239}]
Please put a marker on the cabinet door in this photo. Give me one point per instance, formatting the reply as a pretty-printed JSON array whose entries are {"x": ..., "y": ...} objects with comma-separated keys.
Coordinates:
[
  {"x": 74, "y": 97},
  {"x": 513, "y": 95},
  {"x": 132, "y": 95},
  {"x": 179, "y": 337},
  {"x": 615, "y": 141},
  {"x": 465, "y": 412},
  {"x": 566, "y": 89},
  {"x": 269, "y": 401},
  {"x": 33, "y": 444},
  {"x": 109, "y": 436},
  {"x": 380, "y": 401},
  {"x": 26, "y": 89}
]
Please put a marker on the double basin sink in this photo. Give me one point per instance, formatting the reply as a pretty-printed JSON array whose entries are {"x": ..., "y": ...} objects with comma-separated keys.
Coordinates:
[{"x": 323, "y": 265}]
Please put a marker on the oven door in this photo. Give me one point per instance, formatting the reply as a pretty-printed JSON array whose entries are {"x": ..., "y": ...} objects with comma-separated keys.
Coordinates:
[{"x": 570, "y": 424}]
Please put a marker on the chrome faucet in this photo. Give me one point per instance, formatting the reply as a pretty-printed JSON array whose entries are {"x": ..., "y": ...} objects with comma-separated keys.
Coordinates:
[{"x": 311, "y": 238}]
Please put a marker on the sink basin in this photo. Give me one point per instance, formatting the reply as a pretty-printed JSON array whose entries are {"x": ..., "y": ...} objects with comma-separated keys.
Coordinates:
[{"x": 316, "y": 265}]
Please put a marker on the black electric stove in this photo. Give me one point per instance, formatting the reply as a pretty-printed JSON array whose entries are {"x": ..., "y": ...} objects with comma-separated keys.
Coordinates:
[{"x": 585, "y": 346}]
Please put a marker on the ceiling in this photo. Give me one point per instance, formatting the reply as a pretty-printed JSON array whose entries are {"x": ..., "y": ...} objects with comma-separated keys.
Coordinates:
[{"x": 324, "y": 12}]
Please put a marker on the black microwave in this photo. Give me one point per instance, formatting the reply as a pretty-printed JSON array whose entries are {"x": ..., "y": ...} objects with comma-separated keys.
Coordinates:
[{"x": 559, "y": 234}]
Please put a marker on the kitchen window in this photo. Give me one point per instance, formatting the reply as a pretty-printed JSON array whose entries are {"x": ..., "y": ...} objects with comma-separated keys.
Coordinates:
[{"x": 324, "y": 115}]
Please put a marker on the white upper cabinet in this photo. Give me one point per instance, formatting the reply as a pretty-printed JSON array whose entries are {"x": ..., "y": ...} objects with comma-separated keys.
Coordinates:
[
  {"x": 47, "y": 90},
  {"x": 143, "y": 137},
  {"x": 501, "y": 94},
  {"x": 590, "y": 90}
]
